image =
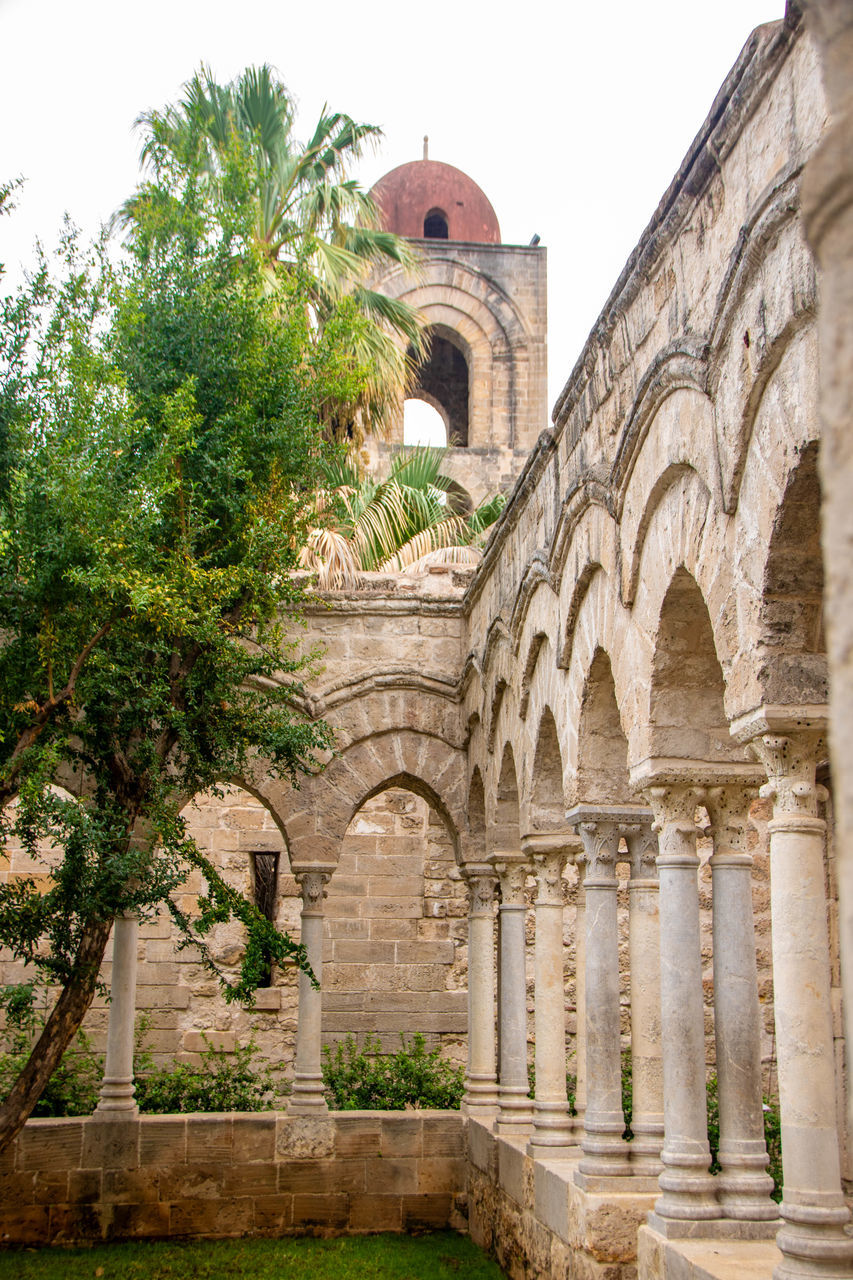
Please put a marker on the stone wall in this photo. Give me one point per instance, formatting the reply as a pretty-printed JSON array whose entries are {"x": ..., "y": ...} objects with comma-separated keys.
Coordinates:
[{"x": 203, "y": 1176}]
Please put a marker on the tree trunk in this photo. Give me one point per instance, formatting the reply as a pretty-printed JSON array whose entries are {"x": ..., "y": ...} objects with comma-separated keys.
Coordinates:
[{"x": 60, "y": 1029}]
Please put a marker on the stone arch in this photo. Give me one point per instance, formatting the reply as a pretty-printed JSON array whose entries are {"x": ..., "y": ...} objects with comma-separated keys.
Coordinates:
[
  {"x": 792, "y": 667},
  {"x": 538, "y": 643},
  {"x": 470, "y": 309},
  {"x": 754, "y": 323},
  {"x": 679, "y": 368},
  {"x": 679, "y": 438},
  {"x": 546, "y": 803},
  {"x": 317, "y": 816},
  {"x": 686, "y": 708},
  {"x": 602, "y": 772},
  {"x": 476, "y": 851},
  {"x": 505, "y": 827}
]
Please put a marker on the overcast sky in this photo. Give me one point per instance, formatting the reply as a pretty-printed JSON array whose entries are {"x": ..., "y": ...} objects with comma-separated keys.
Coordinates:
[{"x": 573, "y": 118}]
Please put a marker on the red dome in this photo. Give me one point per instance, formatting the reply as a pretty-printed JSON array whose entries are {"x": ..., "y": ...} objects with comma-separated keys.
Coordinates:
[{"x": 428, "y": 198}]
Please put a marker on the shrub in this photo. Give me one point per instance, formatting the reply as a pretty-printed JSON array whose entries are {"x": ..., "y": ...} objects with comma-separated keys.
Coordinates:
[
  {"x": 221, "y": 1082},
  {"x": 366, "y": 1080},
  {"x": 72, "y": 1090}
]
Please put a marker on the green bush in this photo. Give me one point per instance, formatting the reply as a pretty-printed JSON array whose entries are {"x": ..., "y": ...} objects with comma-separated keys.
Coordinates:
[
  {"x": 72, "y": 1090},
  {"x": 221, "y": 1082},
  {"x": 366, "y": 1080}
]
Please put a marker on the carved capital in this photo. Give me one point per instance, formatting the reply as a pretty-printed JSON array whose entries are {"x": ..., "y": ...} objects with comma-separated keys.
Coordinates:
[
  {"x": 600, "y": 850},
  {"x": 642, "y": 842},
  {"x": 728, "y": 810},
  {"x": 312, "y": 883},
  {"x": 548, "y": 868},
  {"x": 480, "y": 878},
  {"x": 790, "y": 760},
  {"x": 512, "y": 870}
]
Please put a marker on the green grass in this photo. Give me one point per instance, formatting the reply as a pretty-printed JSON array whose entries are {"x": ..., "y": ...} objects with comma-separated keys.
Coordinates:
[{"x": 440, "y": 1255}]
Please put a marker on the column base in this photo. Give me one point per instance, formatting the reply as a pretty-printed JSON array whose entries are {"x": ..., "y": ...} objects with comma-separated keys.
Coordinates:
[
  {"x": 307, "y": 1097},
  {"x": 689, "y": 1190},
  {"x": 718, "y": 1229},
  {"x": 743, "y": 1192},
  {"x": 481, "y": 1096},
  {"x": 814, "y": 1243},
  {"x": 605, "y": 1152},
  {"x": 515, "y": 1116},
  {"x": 116, "y": 1099}
]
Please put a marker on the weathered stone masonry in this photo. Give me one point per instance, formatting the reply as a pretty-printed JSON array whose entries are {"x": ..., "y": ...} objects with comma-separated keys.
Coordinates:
[{"x": 620, "y": 723}]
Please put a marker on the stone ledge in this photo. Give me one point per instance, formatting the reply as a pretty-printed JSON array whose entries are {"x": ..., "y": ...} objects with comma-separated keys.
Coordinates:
[{"x": 662, "y": 1259}]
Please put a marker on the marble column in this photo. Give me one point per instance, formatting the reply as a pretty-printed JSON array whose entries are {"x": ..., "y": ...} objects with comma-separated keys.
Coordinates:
[
  {"x": 552, "y": 1126},
  {"x": 605, "y": 1152},
  {"x": 743, "y": 1184},
  {"x": 481, "y": 1090},
  {"x": 307, "y": 1097},
  {"x": 644, "y": 966},
  {"x": 812, "y": 1239},
  {"x": 516, "y": 1109},
  {"x": 580, "y": 1008},
  {"x": 686, "y": 1185},
  {"x": 116, "y": 1096}
]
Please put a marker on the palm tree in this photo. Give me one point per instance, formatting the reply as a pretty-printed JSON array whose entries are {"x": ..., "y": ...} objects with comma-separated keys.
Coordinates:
[
  {"x": 309, "y": 213},
  {"x": 410, "y": 520}
]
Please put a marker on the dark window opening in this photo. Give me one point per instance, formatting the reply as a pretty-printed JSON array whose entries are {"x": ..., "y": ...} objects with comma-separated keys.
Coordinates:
[
  {"x": 444, "y": 378},
  {"x": 435, "y": 225},
  {"x": 266, "y": 879}
]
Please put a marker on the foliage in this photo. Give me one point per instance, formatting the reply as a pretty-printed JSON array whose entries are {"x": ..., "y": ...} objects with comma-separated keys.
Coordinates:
[
  {"x": 440, "y": 1255},
  {"x": 366, "y": 1080},
  {"x": 309, "y": 217},
  {"x": 220, "y": 1082},
  {"x": 402, "y": 523},
  {"x": 72, "y": 1090},
  {"x": 159, "y": 441}
]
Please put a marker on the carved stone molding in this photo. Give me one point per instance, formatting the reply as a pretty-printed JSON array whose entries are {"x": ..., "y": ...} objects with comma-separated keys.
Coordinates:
[
  {"x": 512, "y": 870},
  {"x": 312, "y": 880}
]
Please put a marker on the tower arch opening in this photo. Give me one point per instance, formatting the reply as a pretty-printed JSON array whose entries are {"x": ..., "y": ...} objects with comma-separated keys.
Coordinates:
[
  {"x": 443, "y": 380},
  {"x": 436, "y": 225}
]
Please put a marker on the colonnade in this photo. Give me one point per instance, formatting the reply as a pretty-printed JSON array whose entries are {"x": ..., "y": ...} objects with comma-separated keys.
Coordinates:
[{"x": 657, "y": 839}]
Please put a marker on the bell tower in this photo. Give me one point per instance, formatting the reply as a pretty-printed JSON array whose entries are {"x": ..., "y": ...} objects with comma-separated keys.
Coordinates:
[{"x": 485, "y": 304}]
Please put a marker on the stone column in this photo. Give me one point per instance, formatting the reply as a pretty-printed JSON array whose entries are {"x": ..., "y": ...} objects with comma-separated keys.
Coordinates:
[
  {"x": 481, "y": 1090},
  {"x": 743, "y": 1184},
  {"x": 116, "y": 1095},
  {"x": 827, "y": 210},
  {"x": 686, "y": 1185},
  {"x": 605, "y": 1150},
  {"x": 552, "y": 1126},
  {"x": 516, "y": 1110},
  {"x": 580, "y": 1007},
  {"x": 644, "y": 965},
  {"x": 307, "y": 1097},
  {"x": 812, "y": 1239}
]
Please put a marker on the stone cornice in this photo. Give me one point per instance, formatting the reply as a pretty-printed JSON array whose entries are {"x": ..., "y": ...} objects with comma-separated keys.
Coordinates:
[
  {"x": 657, "y": 771},
  {"x": 776, "y": 718}
]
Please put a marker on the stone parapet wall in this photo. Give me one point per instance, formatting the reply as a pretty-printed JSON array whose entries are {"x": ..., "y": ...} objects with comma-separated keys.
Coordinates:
[
  {"x": 207, "y": 1176},
  {"x": 533, "y": 1219}
]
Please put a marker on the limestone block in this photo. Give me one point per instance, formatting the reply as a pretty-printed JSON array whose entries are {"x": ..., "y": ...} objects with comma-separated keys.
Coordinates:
[
  {"x": 273, "y": 1214},
  {"x": 51, "y": 1144},
  {"x": 211, "y": 1217},
  {"x": 110, "y": 1144},
  {"x": 358, "y": 1133},
  {"x": 401, "y": 1136},
  {"x": 253, "y": 1138},
  {"x": 147, "y": 1221},
  {"x": 375, "y": 1213},
  {"x": 304, "y": 1138},
  {"x": 209, "y": 1138},
  {"x": 324, "y": 1212}
]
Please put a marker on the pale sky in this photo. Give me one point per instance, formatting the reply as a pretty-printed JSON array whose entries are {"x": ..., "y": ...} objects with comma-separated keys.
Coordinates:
[{"x": 573, "y": 118}]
